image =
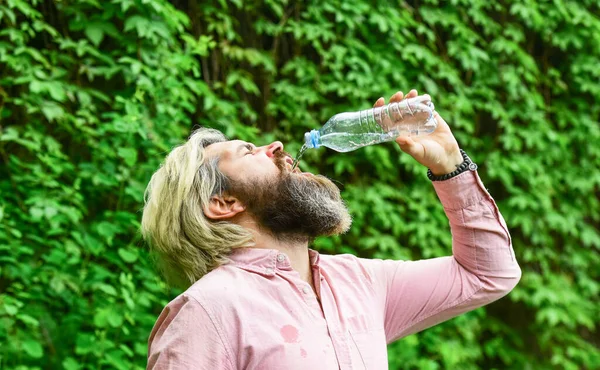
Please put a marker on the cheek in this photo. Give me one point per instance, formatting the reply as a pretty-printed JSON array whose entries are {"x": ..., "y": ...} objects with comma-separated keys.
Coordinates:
[
  {"x": 253, "y": 171},
  {"x": 265, "y": 165}
]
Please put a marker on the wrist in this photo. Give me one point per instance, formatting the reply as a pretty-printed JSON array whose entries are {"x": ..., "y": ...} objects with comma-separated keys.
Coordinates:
[
  {"x": 451, "y": 164},
  {"x": 466, "y": 165}
]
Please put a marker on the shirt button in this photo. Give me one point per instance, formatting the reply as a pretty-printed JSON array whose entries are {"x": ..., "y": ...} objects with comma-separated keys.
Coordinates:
[
  {"x": 280, "y": 258},
  {"x": 269, "y": 270},
  {"x": 305, "y": 290}
]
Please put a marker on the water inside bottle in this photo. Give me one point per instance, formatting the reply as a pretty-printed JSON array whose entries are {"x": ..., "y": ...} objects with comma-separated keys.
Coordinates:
[
  {"x": 298, "y": 156},
  {"x": 345, "y": 142}
]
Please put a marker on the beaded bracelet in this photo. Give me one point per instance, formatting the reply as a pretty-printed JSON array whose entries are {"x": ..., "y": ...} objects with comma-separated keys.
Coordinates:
[{"x": 467, "y": 164}]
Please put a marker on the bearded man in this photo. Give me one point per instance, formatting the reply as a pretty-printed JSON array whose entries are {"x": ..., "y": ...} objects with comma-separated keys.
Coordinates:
[{"x": 233, "y": 222}]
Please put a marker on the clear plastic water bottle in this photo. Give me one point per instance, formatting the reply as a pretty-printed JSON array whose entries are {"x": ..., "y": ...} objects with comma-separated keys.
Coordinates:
[{"x": 352, "y": 130}]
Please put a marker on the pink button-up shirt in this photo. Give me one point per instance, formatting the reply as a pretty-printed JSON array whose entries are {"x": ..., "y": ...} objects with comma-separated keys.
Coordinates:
[{"x": 257, "y": 313}]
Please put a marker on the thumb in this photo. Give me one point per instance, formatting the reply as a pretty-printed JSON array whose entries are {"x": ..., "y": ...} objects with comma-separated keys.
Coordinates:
[{"x": 408, "y": 145}]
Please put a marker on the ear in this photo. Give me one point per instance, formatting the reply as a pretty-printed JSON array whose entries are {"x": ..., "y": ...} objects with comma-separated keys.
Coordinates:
[{"x": 223, "y": 207}]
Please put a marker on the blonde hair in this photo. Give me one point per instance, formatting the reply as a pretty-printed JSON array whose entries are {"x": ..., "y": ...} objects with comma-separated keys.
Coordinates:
[{"x": 187, "y": 245}]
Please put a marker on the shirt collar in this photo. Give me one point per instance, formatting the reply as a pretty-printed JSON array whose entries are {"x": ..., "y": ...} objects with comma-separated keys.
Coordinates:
[{"x": 266, "y": 261}]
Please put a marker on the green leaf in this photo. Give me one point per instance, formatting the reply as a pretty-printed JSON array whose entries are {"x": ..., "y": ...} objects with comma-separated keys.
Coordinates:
[
  {"x": 33, "y": 348},
  {"x": 101, "y": 317},
  {"x": 126, "y": 350},
  {"x": 128, "y": 255},
  {"x": 95, "y": 33},
  {"x": 108, "y": 289},
  {"x": 85, "y": 343},
  {"x": 129, "y": 155},
  {"x": 141, "y": 24},
  {"x": 28, "y": 320},
  {"x": 114, "y": 318},
  {"x": 11, "y": 309},
  {"x": 141, "y": 349},
  {"x": 71, "y": 364},
  {"x": 35, "y": 86},
  {"x": 107, "y": 229},
  {"x": 52, "y": 111},
  {"x": 56, "y": 90}
]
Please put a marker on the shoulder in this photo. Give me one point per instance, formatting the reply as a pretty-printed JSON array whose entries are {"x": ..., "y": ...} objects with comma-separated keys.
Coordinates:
[
  {"x": 196, "y": 300},
  {"x": 220, "y": 287},
  {"x": 189, "y": 330},
  {"x": 205, "y": 302}
]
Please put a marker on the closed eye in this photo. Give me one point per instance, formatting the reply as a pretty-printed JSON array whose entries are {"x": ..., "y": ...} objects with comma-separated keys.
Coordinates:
[{"x": 250, "y": 148}]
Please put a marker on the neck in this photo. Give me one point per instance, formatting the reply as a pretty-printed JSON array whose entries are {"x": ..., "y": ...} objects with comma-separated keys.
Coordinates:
[{"x": 294, "y": 248}]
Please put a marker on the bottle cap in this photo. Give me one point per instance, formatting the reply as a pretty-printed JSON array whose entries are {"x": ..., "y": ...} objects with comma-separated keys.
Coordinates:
[{"x": 312, "y": 138}]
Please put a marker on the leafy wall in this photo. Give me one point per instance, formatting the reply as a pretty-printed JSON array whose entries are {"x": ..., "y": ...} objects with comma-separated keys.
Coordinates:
[{"x": 93, "y": 94}]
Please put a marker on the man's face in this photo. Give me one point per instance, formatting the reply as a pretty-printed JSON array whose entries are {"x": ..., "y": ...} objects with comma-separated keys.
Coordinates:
[{"x": 289, "y": 204}]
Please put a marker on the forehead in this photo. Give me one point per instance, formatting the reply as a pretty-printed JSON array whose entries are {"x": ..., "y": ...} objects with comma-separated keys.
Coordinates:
[{"x": 225, "y": 149}]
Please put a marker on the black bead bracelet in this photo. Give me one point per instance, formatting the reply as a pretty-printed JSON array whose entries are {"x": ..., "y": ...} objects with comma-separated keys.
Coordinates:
[{"x": 467, "y": 164}]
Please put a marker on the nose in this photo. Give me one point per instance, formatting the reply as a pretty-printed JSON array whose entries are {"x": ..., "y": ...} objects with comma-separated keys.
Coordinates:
[{"x": 273, "y": 147}]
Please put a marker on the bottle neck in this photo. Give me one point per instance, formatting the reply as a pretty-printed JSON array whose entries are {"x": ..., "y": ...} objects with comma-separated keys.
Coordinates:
[{"x": 312, "y": 139}]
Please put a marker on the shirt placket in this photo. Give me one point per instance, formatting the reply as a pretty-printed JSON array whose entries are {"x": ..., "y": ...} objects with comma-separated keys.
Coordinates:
[
  {"x": 336, "y": 331},
  {"x": 303, "y": 288}
]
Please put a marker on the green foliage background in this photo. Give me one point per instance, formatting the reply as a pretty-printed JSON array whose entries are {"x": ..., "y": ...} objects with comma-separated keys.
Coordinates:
[{"x": 94, "y": 93}]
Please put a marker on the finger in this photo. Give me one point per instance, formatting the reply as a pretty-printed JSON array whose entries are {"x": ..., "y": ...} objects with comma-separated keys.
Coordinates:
[
  {"x": 440, "y": 121},
  {"x": 408, "y": 145},
  {"x": 412, "y": 93},
  {"x": 397, "y": 97},
  {"x": 379, "y": 102}
]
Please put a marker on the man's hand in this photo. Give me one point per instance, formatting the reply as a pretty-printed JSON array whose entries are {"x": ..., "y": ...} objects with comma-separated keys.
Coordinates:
[{"x": 438, "y": 151}]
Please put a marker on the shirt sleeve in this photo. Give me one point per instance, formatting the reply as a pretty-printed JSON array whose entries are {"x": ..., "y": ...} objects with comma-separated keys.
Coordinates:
[
  {"x": 419, "y": 294},
  {"x": 185, "y": 337}
]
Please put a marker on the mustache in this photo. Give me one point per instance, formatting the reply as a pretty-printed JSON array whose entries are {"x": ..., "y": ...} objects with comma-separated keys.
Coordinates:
[
  {"x": 319, "y": 181},
  {"x": 280, "y": 162}
]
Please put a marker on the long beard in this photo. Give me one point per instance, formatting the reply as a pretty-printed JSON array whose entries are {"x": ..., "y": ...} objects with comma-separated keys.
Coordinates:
[{"x": 295, "y": 206}]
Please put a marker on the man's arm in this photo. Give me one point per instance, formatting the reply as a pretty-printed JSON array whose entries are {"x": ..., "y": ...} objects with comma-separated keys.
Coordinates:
[
  {"x": 185, "y": 337},
  {"x": 417, "y": 295}
]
